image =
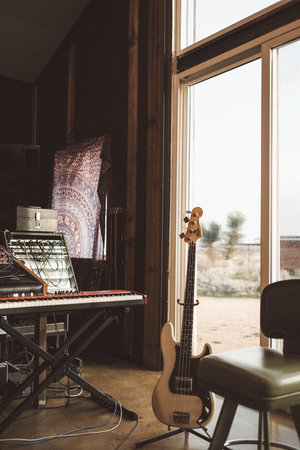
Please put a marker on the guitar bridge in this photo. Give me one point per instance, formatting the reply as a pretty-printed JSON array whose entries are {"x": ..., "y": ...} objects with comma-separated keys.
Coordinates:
[
  {"x": 184, "y": 385},
  {"x": 182, "y": 418}
]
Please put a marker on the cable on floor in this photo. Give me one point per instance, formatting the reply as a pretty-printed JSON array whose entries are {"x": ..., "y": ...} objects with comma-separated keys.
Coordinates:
[
  {"x": 128, "y": 435},
  {"x": 72, "y": 433}
]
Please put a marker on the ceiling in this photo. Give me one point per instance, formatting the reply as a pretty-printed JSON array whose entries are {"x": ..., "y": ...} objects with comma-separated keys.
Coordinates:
[{"x": 30, "y": 33}]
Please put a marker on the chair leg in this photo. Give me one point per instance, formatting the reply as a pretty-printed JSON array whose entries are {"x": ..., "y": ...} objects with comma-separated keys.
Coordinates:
[
  {"x": 223, "y": 424},
  {"x": 260, "y": 432},
  {"x": 296, "y": 417},
  {"x": 266, "y": 430}
]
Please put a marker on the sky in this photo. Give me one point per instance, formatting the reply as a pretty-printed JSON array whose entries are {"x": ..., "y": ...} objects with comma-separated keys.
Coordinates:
[
  {"x": 289, "y": 139},
  {"x": 225, "y": 148},
  {"x": 214, "y": 15},
  {"x": 226, "y": 141}
]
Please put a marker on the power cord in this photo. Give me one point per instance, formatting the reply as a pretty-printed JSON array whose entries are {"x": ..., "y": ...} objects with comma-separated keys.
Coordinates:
[{"x": 72, "y": 433}]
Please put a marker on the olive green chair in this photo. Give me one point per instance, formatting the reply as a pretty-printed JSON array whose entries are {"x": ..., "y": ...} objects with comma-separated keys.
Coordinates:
[{"x": 260, "y": 378}]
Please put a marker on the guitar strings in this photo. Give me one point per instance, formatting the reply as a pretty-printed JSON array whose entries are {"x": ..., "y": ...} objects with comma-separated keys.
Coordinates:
[{"x": 185, "y": 351}]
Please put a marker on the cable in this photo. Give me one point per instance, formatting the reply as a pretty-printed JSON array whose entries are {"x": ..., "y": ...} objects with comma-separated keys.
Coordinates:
[
  {"x": 72, "y": 433},
  {"x": 6, "y": 259},
  {"x": 42, "y": 254},
  {"x": 128, "y": 435},
  {"x": 8, "y": 266},
  {"x": 205, "y": 431},
  {"x": 69, "y": 389}
]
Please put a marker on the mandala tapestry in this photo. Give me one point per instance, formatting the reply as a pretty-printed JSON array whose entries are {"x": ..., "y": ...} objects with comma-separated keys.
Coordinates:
[{"x": 78, "y": 195}]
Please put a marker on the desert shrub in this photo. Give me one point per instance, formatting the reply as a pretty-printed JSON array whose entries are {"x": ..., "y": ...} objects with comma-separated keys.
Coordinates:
[{"x": 236, "y": 277}]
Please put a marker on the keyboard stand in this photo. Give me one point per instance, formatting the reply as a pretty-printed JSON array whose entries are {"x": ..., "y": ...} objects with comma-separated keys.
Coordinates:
[{"x": 60, "y": 365}]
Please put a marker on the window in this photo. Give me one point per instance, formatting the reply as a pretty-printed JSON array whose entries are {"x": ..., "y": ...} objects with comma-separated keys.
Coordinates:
[
  {"x": 202, "y": 18},
  {"x": 288, "y": 69},
  {"x": 285, "y": 113},
  {"x": 235, "y": 154},
  {"x": 224, "y": 179}
]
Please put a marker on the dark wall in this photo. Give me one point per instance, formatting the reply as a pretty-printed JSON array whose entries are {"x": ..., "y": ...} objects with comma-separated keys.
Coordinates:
[
  {"x": 15, "y": 129},
  {"x": 101, "y": 82},
  {"x": 90, "y": 98},
  {"x": 97, "y": 100},
  {"x": 15, "y": 112},
  {"x": 100, "y": 39},
  {"x": 52, "y": 90}
]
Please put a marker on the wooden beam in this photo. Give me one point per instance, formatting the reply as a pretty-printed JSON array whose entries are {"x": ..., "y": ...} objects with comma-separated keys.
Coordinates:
[
  {"x": 40, "y": 325},
  {"x": 132, "y": 143},
  {"x": 131, "y": 177},
  {"x": 154, "y": 180}
]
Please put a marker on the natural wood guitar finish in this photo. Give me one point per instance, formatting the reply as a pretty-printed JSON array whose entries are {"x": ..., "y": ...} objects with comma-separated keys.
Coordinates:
[{"x": 177, "y": 399}]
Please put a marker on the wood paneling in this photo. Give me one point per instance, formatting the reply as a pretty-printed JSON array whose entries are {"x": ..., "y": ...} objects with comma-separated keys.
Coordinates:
[
  {"x": 108, "y": 77},
  {"x": 132, "y": 142},
  {"x": 154, "y": 180},
  {"x": 131, "y": 177},
  {"x": 101, "y": 92},
  {"x": 52, "y": 95},
  {"x": 15, "y": 112}
]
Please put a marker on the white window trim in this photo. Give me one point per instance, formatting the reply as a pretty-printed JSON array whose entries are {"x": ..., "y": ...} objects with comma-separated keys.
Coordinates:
[
  {"x": 177, "y": 10},
  {"x": 258, "y": 48},
  {"x": 270, "y": 251}
]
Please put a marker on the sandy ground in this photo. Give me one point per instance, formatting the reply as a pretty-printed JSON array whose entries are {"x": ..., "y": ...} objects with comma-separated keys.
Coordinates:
[{"x": 226, "y": 323}]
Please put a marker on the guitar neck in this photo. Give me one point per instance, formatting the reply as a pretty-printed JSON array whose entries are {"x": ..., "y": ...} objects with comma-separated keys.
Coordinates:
[{"x": 188, "y": 307}]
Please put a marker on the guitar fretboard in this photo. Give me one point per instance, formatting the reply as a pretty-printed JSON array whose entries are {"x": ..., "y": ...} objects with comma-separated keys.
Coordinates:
[{"x": 188, "y": 308}]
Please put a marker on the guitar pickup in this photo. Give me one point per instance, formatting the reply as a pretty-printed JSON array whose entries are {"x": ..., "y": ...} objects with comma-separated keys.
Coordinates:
[
  {"x": 181, "y": 417},
  {"x": 184, "y": 385}
]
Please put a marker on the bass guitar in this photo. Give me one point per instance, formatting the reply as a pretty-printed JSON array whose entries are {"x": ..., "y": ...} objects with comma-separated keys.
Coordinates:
[{"x": 177, "y": 399}]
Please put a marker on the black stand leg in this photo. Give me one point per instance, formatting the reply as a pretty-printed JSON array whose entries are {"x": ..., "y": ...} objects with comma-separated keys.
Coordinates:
[
  {"x": 60, "y": 364},
  {"x": 158, "y": 438},
  {"x": 36, "y": 350},
  {"x": 100, "y": 396},
  {"x": 171, "y": 433}
]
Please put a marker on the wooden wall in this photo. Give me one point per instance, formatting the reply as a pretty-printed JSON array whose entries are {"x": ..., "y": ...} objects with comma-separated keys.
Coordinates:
[
  {"x": 99, "y": 43},
  {"x": 51, "y": 93},
  {"x": 101, "y": 79},
  {"x": 15, "y": 112},
  {"x": 149, "y": 152},
  {"x": 108, "y": 76},
  {"x": 15, "y": 129}
]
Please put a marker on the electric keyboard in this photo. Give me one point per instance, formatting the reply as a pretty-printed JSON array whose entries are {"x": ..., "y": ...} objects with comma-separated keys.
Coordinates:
[{"x": 67, "y": 302}]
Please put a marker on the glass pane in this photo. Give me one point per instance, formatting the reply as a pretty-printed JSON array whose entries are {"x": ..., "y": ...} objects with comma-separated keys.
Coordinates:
[
  {"x": 201, "y": 18},
  {"x": 288, "y": 65},
  {"x": 224, "y": 180}
]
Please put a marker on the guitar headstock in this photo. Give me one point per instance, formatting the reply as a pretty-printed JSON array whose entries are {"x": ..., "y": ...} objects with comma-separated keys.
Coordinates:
[{"x": 193, "y": 231}]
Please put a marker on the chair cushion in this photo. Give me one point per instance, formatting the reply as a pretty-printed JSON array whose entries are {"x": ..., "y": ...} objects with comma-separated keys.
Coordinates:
[{"x": 256, "y": 376}]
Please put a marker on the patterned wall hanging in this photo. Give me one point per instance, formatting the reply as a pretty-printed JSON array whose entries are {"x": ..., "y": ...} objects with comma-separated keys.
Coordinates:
[{"x": 78, "y": 195}]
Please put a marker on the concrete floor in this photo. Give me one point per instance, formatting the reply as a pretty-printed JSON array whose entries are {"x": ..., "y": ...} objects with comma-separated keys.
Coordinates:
[{"x": 133, "y": 387}]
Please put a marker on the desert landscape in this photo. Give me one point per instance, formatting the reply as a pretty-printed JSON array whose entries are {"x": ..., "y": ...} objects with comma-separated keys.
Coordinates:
[
  {"x": 228, "y": 314},
  {"x": 226, "y": 323}
]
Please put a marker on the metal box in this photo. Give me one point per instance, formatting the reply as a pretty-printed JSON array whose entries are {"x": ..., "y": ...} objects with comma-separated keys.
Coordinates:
[{"x": 34, "y": 218}]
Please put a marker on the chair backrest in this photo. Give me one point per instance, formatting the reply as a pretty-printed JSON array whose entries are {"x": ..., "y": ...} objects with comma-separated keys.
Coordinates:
[{"x": 280, "y": 313}]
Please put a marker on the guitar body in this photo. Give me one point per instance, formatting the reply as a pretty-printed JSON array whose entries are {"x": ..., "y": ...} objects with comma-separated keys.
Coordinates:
[{"x": 187, "y": 406}]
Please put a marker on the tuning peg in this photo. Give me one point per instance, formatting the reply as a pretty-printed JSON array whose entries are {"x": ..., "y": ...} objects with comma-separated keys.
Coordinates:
[
  {"x": 181, "y": 235},
  {"x": 186, "y": 219}
]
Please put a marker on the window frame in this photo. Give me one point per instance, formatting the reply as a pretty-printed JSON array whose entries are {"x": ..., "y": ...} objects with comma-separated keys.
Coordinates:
[
  {"x": 260, "y": 47},
  {"x": 219, "y": 34},
  {"x": 270, "y": 270}
]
